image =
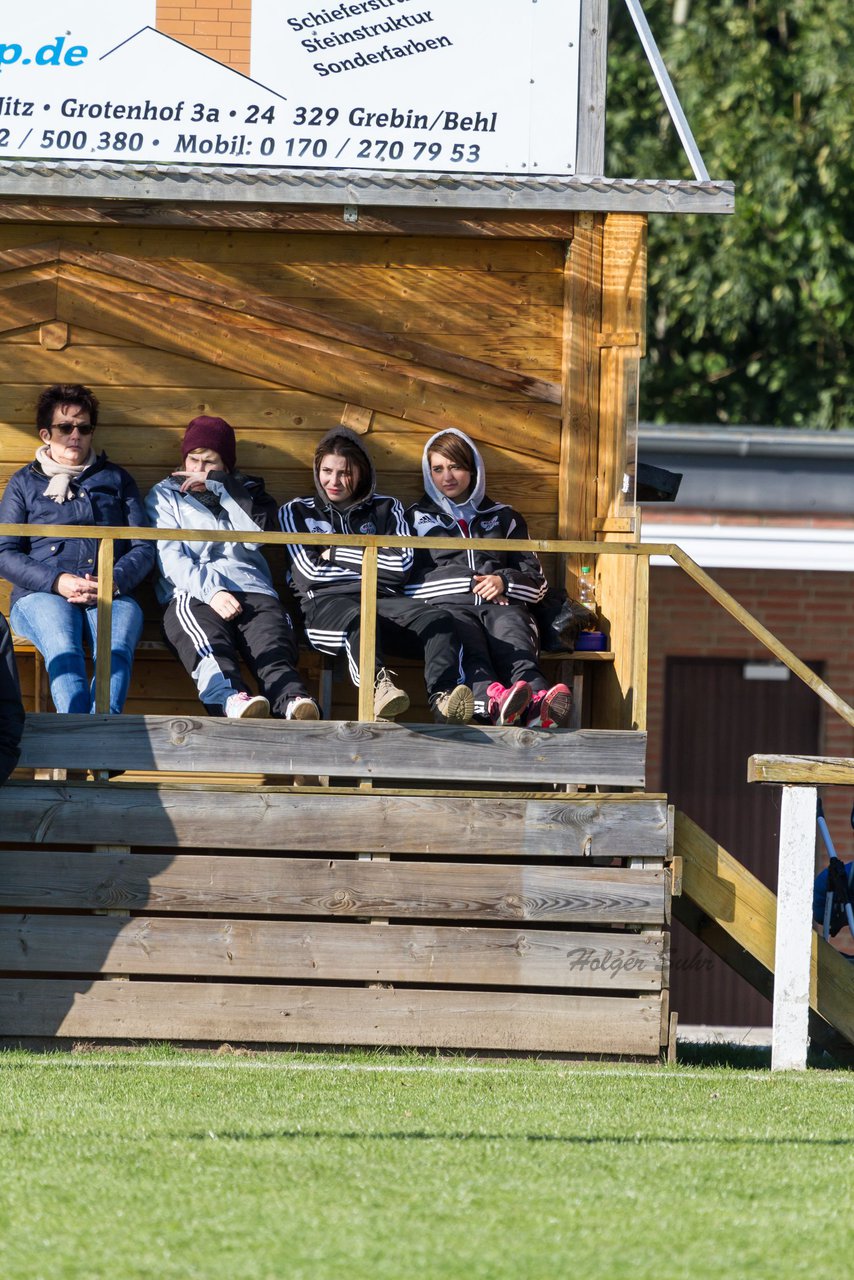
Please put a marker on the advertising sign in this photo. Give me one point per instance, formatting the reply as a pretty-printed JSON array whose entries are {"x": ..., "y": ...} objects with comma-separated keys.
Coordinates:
[{"x": 463, "y": 86}]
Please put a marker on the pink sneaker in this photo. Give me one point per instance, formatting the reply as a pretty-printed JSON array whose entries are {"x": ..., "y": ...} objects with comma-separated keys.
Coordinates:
[
  {"x": 533, "y": 711},
  {"x": 506, "y": 705},
  {"x": 556, "y": 707}
]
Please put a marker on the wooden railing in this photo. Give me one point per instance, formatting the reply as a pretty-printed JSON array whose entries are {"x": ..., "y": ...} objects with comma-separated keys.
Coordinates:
[
  {"x": 800, "y": 778},
  {"x": 560, "y": 546}
]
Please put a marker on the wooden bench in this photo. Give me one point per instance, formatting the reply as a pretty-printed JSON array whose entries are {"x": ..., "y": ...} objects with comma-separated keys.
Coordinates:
[{"x": 458, "y": 903}]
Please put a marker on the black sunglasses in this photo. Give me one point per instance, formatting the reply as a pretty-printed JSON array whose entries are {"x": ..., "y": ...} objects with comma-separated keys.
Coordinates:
[{"x": 66, "y": 428}]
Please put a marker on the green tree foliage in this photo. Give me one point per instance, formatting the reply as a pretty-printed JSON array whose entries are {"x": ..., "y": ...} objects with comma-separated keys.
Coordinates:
[{"x": 751, "y": 316}]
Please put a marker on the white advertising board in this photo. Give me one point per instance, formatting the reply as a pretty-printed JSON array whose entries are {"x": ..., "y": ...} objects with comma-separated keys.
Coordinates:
[{"x": 460, "y": 86}]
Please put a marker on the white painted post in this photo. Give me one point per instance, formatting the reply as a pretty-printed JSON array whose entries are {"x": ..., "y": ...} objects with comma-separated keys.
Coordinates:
[{"x": 793, "y": 945}]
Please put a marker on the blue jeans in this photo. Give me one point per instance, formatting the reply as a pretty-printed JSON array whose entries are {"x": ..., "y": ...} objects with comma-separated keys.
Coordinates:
[{"x": 56, "y": 628}]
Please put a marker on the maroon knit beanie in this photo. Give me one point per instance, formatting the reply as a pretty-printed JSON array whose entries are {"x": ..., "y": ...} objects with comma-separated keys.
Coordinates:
[{"x": 211, "y": 433}]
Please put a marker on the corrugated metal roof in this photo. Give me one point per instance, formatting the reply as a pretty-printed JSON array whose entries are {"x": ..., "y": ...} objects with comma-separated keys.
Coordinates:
[
  {"x": 755, "y": 469},
  {"x": 91, "y": 180},
  {"x": 762, "y": 442}
]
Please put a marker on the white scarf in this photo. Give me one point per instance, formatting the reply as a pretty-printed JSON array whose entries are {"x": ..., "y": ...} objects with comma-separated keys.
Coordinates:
[{"x": 60, "y": 475}]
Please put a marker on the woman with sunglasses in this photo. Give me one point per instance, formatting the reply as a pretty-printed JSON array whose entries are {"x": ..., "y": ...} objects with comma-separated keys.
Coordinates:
[{"x": 54, "y": 580}]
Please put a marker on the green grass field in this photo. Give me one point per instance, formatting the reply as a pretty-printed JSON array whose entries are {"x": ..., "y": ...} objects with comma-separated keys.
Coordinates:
[{"x": 159, "y": 1163}]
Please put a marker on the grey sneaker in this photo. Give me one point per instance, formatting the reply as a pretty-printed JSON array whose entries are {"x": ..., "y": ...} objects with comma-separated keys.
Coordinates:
[
  {"x": 457, "y": 707},
  {"x": 389, "y": 701}
]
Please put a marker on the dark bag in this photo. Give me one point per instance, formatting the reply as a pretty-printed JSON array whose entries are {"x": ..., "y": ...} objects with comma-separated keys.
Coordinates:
[{"x": 560, "y": 619}]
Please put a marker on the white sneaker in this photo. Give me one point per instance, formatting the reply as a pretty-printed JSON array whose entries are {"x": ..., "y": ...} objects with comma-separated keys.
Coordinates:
[
  {"x": 302, "y": 709},
  {"x": 241, "y": 706}
]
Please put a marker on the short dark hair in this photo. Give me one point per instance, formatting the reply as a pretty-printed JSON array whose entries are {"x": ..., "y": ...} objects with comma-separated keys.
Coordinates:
[
  {"x": 65, "y": 393},
  {"x": 344, "y": 447},
  {"x": 455, "y": 449}
]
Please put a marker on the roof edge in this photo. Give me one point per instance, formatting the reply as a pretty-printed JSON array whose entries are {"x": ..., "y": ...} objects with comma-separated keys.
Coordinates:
[
  {"x": 760, "y": 442},
  {"x": 239, "y": 185}
]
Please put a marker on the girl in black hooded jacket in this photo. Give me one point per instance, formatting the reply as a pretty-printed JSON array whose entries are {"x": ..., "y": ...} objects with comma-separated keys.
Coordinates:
[
  {"x": 488, "y": 593},
  {"x": 328, "y": 582}
]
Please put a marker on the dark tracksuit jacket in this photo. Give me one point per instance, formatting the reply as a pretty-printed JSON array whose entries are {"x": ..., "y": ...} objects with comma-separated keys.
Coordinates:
[
  {"x": 500, "y": 641},
  {"x": 329, "y": 585}
]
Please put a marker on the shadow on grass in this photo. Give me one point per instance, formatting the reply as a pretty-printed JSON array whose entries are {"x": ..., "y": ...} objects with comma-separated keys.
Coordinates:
[
  {"x": 738, "y": 1056},
  {"x": 572, "y": 1140},
  {"x": 752, "y": 1057}
]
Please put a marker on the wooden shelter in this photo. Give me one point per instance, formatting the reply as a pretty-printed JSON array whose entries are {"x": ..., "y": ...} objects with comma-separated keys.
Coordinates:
[{"x": 289, "y": 300}]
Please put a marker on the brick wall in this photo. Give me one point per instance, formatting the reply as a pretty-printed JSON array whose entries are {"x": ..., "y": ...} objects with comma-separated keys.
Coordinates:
[
  {"x": 811, "y": 613},
  {"x": 220, "y": 31}
]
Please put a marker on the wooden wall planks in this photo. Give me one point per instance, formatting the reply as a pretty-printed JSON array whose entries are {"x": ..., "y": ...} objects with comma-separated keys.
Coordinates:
[
  {"x": 331, "y": 952},
  {"x": 474, "y": 1020},
  {"x": 341, "y": 888},
  {"x": 510, "y": 826}
]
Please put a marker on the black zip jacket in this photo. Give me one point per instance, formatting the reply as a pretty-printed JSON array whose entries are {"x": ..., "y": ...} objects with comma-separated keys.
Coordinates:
[
  {"x": 315, "y": 569},
  {"x": 446, "y": 576}
]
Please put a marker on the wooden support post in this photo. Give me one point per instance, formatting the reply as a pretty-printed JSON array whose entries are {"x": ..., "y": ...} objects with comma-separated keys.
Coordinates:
[
  {"x": 640, "y": 646},
  {"x": 111, "y": 911},
  {"x": 592, "y": 81},
  {"x": 793, "y": 943},
  {"x": 368, "y": 642},
  {"x": 103, "y": 663}
]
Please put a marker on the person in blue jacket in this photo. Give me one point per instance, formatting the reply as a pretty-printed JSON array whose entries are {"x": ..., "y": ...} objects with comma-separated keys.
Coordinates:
[{"x": 54, "y": 579}]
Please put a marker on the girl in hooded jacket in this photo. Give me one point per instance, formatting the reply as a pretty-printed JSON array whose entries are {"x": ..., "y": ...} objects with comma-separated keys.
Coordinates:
[
  {"x": 328, "y": 582},
  {"x": 488, "y": 593}
]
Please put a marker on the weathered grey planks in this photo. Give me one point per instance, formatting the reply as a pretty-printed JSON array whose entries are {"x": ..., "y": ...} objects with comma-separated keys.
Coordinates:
[
  {"x": 608, "y": 826},
  {"x": 550, "y": 987},
  {"x": 335, "y": 748},
  {"x": 226, "y": 885},
  {"x": 548, "y": 1023},
  {"x": 336, "y": 951}
]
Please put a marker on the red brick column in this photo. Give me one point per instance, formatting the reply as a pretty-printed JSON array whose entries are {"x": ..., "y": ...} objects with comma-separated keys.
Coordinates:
[{"x": 220, "y": 31}]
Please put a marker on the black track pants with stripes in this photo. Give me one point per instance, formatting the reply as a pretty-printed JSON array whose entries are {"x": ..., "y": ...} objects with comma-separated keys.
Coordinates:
[
  {"x": 210, "y": 648},
  {"x": 500, "y": 642},
  {"x": 405, "y": 628}
]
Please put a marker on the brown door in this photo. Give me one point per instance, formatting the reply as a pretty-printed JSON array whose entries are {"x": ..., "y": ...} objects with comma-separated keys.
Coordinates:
[{"x": 717, "y": 713}]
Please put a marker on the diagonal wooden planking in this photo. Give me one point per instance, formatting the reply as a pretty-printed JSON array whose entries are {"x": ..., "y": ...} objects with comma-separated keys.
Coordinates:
[
  {"x": 171, "y": 323},
  {"x": 27, "y": 302},
  {"x": 251, "y": 303},
  {"x": 400, "y": 368}
]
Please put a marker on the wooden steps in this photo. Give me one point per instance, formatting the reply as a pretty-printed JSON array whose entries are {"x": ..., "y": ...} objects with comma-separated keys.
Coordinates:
[{"x": 459, "y": 903}]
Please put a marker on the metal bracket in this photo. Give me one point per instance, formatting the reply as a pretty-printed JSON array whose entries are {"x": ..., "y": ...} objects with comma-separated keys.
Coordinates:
[{"x": 668, "y": 92}]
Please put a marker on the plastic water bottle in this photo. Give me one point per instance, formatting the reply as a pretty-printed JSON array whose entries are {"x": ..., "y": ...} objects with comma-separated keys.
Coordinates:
[{"x": 586, "y": 593}]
